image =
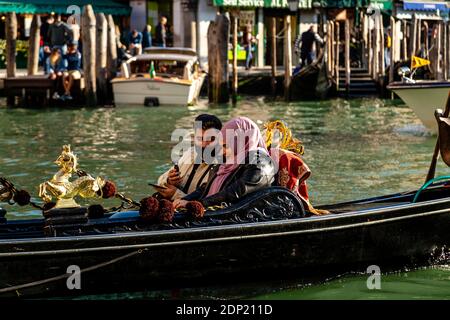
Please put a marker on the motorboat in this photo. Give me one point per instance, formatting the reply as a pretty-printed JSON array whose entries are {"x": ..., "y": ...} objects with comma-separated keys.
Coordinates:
[
  {"x": 423, "y": 97},
  {"x": 160, "y": 76}
]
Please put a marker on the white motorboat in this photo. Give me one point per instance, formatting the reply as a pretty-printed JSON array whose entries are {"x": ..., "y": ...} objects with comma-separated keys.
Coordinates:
[
  {"x": 423, "y": 97},
  {"x": 177, "y": 78}
]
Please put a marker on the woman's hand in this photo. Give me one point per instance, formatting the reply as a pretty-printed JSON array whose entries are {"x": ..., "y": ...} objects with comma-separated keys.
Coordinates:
[{"x": 179, "y": 203}]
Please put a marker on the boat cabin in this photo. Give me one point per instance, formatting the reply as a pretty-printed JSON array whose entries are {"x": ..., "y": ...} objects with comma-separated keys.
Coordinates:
[{"x": 168, "y": 63}]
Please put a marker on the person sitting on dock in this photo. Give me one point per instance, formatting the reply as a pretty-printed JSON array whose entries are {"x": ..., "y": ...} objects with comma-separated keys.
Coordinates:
[
  {"x": 54, "y": 67},
  {"x": 135, "y": 41},
  {"x": 73, "y": 70},
  {"x": 190, "y": 174},
  {"x": 247, "y": 167}
]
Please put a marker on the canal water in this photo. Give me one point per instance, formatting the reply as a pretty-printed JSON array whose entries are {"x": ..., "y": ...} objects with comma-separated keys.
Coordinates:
[{"x": 355, "y": 149}]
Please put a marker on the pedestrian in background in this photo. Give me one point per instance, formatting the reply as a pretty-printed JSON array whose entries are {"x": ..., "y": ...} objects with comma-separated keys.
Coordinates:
[
  {"x": 304, "y": 44},
  {"x": 135, "y": 43},
  {"x": 248, "y": 42},
  {"x": 161, "y": 33},
  {"x": 147, "y": 37},
  {"x": 58, "y": 34},
  {"x": 74, "y": 30}
]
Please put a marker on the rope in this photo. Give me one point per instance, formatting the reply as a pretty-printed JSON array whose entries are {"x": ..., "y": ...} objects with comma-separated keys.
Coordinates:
[
  {"x": 426, "y": 185},
  {"x": 57, "y": 278}
]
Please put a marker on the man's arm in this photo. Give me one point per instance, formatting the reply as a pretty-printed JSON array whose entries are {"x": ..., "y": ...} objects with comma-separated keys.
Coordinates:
[
  {"x": 318, "y": 38},
  {"x": 297, "y": 43}
]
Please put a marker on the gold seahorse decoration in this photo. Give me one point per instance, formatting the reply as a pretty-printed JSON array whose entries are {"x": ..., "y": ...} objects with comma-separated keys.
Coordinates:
[{"x": 60, "y": 186}]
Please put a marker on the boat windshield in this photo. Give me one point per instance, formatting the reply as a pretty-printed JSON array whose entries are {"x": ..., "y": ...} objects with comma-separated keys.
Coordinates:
[{"x": 163, "y": 68}]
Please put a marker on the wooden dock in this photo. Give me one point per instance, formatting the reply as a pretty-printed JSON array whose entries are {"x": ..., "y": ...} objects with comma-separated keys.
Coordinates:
[{"x": 37, "y": 92}]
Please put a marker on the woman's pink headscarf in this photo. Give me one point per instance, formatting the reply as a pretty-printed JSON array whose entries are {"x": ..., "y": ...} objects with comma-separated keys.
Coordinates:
[{"x": 243, "y": 136}]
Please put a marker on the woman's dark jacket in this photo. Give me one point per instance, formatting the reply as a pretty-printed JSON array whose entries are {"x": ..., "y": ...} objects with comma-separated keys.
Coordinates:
[{"x": 243, "y": 181}]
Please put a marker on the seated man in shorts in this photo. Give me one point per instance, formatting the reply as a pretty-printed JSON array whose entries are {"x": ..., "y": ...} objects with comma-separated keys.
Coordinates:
[{"x": 73, "y": 69}]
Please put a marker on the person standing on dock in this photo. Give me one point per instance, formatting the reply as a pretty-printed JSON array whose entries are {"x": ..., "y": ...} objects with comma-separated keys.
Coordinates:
[
  {"x": 45, "y": 50},
  {"x": 161, "y": 33},
  {"x": 58, "y": 34},
  {"x": 135, "y": 41},
  {"x": 304, "y": 44},
  {"x": 248, "y": 41},
  {"x": 147, "y": 37},
  {"x": 74, "y": 30},
  {"x": 73, "y": 70}
]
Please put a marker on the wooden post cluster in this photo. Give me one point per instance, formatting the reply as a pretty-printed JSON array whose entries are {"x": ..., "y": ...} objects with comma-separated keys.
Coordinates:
[
  {"x": 218, "y": 33},
  {"x": 34, "y": 45}
]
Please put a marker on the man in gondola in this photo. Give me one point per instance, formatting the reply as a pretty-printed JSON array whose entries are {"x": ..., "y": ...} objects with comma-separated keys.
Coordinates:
[{"x": 188, "y": 174}]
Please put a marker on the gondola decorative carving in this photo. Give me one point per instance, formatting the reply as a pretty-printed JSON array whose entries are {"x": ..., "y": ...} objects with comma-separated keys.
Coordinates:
[{"x": 64, "y": 190}]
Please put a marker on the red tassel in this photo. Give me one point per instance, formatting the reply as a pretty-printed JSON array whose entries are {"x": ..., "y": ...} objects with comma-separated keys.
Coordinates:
[{"x": 196, "y": 209}]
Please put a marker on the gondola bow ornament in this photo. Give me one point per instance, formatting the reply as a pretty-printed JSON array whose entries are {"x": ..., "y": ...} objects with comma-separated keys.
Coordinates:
[{"x": 64, "y": 190}]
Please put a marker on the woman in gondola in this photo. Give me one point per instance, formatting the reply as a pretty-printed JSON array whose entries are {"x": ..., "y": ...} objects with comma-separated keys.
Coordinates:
[{"x": 247, "y": 166}]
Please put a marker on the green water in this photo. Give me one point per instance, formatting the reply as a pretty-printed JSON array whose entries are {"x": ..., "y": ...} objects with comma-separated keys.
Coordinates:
[{"x": 356, "y": 149}]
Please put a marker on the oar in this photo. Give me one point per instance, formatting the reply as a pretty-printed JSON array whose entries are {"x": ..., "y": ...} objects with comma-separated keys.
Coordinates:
[{"x": 432, "y": 170}]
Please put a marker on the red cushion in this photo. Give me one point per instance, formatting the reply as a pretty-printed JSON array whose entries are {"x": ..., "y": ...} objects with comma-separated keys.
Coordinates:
[{"x": 292, "y": 173}]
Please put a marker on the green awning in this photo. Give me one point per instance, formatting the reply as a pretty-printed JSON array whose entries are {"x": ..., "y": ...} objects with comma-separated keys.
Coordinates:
[
  {"x": 283, "y": 4},
  {"x": 385, "y": 5},
  {"x": 61, "y": 6}
]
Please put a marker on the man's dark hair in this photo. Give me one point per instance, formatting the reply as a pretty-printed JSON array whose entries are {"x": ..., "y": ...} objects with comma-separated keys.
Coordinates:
[{"x": 209, "y": 121}]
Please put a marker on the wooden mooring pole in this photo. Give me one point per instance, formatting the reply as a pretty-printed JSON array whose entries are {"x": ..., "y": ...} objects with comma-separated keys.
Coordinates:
[
  {"x": 89, "y": 55},
  {"x": 337, "y": 55},
  {"x": 234, "y": 83},
  {"x": 381, "y": 64},
  {"x": 11, "y": 39},
  {"x": 331, "y": 40},
  {"x": 112, "y": 48},
  {"x": 101, "y": 58},
  {"x": 273, "y": 53},
  {"x": 347, "y": 56},
  {"x": 444, "y": 51},
  {"x": 33, "y": 49},
  {"x": 218, "y": 34},
  {"x": 413, "y": 34},
  {"x": 438, "y": 50},
  {"x": 405, "y": 40},
  {"x": 287, "y": 57},
  {"x": 370, "y": 49}
]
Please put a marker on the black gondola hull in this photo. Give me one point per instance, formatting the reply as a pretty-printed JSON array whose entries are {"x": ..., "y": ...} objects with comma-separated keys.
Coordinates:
[{"x": 142, "y": 260}]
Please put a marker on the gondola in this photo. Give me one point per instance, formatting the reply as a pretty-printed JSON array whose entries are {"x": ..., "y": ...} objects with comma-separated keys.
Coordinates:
[{"x": 269, "y": 233}]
